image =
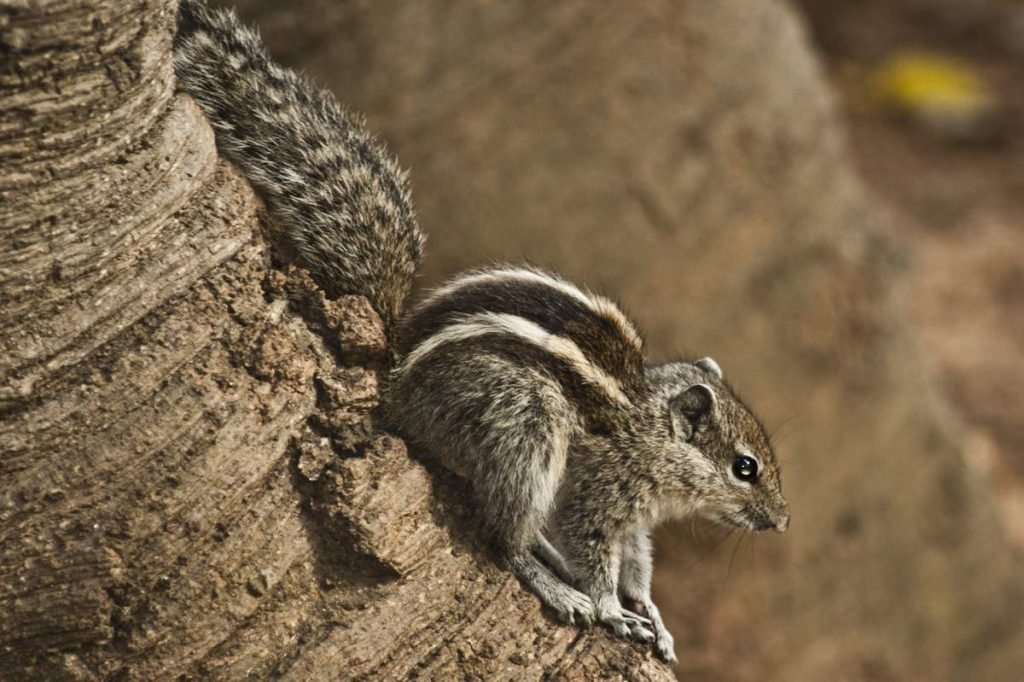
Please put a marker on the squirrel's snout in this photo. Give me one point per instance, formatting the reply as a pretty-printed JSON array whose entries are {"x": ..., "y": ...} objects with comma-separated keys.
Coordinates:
[{"x": 782, "y": 522}]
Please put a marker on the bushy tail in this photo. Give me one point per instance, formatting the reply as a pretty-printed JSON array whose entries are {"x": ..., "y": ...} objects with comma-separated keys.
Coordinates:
[{"x": 341, "y": 198}]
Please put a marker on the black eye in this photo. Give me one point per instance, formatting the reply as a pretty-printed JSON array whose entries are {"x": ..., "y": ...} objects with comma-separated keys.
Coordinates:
[{"x": 745, "y": 468}]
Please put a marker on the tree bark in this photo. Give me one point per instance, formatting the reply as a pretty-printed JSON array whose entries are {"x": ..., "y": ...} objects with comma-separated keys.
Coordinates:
[{"x": 190, "y": 486}]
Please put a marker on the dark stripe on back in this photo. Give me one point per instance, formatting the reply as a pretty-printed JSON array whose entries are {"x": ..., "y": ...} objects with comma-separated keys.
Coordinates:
[{"x": 598, "y": 337}]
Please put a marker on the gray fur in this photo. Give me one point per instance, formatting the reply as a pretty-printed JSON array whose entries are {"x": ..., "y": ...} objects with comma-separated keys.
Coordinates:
[{"x": 532, "y": 389}]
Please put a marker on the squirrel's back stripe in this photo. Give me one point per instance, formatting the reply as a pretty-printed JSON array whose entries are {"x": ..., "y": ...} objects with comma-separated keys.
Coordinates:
[
  {"x": 524, "y": 331},
  {"x": 504, "y": 274},
  {"x": 594, "y": 324},
  {"x": 599, "y": 304}
]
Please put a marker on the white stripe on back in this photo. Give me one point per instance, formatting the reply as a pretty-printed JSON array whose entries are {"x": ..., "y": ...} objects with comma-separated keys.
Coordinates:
[
  {"x": 479, "y": 324},
  {"x": 598, "y": 304}
]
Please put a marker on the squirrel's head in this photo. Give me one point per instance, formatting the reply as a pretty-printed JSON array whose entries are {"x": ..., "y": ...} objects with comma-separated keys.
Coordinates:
[{"x": 724, "y": 451}]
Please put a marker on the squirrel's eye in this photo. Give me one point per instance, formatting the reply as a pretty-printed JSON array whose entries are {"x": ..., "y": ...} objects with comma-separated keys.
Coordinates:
[{"x": 745, "y": 468}]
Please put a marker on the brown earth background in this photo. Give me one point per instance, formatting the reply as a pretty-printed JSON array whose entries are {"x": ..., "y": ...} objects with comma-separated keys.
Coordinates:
[{"x": 189, "y": 488}]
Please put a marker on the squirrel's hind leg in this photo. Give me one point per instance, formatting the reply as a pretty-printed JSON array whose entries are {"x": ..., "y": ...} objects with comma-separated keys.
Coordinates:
[
  {"x": 568, "y": 603},
  {"x": 516, "y": 478},
  {"x": 506, "y": 429}
]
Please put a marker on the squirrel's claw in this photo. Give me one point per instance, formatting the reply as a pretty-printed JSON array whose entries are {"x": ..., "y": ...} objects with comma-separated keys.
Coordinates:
[
  {"x": 665, "y": 649},
  {"x": 664, "y": 645},
  {"x": 572, "y": 606},
  {"x": 625, "y": 623},
  {"x": 641, "y": 634},
  {"x": 636, "y": 617}
]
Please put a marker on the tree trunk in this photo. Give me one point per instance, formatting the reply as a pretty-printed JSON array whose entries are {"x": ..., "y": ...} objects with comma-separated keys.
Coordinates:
[
  {"x": 190, "y": 488},
  {"x": 189, "y": 484}
]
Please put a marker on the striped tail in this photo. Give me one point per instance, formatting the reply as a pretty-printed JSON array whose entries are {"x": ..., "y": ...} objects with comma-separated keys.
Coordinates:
[{"x": 340, "y": 197}]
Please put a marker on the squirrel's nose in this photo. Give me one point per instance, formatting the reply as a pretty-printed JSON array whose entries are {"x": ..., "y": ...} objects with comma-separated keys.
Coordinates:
[{"x": 782, "y": 522}]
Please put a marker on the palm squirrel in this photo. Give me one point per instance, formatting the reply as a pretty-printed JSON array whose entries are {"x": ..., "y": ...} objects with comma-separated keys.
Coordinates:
[{"x": 534, "y": 390}]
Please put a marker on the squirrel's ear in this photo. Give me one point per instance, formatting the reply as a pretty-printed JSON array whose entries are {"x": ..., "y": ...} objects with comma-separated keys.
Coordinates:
[
  {"x": 689, "y": 408},
  {"x": 709, "y": 365}
]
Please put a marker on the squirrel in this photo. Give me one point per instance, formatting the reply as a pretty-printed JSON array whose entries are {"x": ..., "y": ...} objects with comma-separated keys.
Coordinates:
[{"x": 533, "y": 389}]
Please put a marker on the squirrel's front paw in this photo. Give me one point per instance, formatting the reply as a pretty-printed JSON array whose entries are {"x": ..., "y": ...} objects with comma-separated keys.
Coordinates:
[
  {"x": 623, "y": 622},
  {"x": 572, "y": 606},
  {"x": 664, "y": 646}
]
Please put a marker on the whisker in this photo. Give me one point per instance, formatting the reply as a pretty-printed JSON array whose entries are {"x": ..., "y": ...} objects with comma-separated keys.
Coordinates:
[
  {"x": 733, "y": 557},
  {"x": 778, "y": 426},
  {"x": 711, "y": 551},
  {"x": 786, "y": 436}
]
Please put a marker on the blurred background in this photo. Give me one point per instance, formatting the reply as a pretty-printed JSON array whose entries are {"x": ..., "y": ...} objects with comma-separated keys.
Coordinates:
[{"x": 826, "y": 197}]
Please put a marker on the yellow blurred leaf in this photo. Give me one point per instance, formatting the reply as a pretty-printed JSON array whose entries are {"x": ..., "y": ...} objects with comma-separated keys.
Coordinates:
[{"x": 944, "y": 92}]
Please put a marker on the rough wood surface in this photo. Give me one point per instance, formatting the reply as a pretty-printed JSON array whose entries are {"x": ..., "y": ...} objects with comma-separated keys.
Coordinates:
[{"x": 189, "y": 486}]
